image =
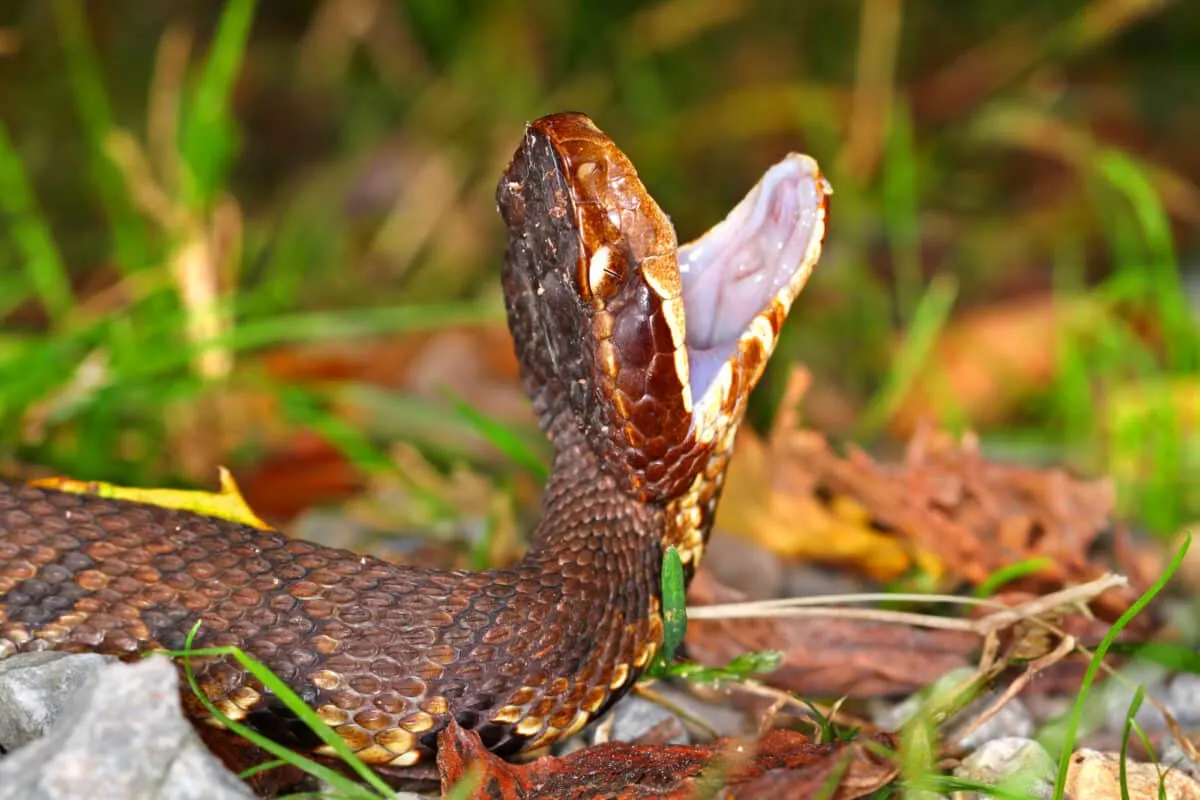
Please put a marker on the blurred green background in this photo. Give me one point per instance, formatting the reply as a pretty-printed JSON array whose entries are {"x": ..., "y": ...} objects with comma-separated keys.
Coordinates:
[{"x": 189, "y": 189}]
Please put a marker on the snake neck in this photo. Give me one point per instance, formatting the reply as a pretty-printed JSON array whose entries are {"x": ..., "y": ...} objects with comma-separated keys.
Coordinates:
[
  {"x": 584, "y": 504},
  {"x": 587, "y": 510}
]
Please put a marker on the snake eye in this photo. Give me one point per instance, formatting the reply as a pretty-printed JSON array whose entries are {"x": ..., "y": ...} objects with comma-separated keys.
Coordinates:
[{"x": 606, "y": 270}]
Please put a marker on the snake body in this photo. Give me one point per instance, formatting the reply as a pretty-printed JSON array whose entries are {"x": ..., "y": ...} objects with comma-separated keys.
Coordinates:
[{"x": 641, "y": 400}]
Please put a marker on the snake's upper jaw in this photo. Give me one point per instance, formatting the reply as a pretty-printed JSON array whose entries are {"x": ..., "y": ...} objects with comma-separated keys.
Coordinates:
[{"x": 740, "y": 278}]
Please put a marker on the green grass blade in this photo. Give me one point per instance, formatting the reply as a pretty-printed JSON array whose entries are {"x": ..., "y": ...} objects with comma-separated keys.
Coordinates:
[
  {"x": 14, "y": 289},
  {"x": 43, "y": 264},
  {"x": 1010, "y": 573},
  {"x": 501, "y": 436},
  {"x": 130, "y": 241},
  {"x": 1126, "y": 729},
  {"x": 929, "y": 318},
  {"x": 294, "y": 704},
  {"x": 263, "y": 767},
  {"x": 1180, "y": 341},
  {"x": 209, "y": 132},
  {"x": 1102, "y": 649},
  {"x": 319, "y": 326}
]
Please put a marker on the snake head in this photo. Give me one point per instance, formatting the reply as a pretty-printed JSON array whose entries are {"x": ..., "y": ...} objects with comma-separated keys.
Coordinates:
[{"x": 650, "y": 348}]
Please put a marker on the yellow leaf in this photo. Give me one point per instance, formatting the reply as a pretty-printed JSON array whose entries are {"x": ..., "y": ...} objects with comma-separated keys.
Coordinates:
[{"x": 227, "y": 504}]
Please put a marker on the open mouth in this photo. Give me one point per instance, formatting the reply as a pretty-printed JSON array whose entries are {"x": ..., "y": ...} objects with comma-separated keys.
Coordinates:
[{"x": 761, "y": 254}]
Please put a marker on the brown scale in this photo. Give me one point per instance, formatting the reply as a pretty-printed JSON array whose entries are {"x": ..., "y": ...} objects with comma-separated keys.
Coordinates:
[{"x": 387, "y": 654}]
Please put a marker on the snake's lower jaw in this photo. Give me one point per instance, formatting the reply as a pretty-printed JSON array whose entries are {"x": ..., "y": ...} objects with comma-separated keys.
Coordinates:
[{"x": 740, "y": 278}]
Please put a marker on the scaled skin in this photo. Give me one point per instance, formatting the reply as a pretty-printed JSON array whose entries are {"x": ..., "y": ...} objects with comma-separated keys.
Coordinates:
[{"x": 525, "y": 655}]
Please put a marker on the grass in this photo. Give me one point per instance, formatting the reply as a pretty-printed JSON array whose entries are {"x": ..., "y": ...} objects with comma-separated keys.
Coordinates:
[
  {"x": 345, "y": 787},
  {"x": 918, "y": 737},
  {"x": 183, "y": 323},
  {"x": 1073, "y": 719},
  {"x": 171, "y": 237}
]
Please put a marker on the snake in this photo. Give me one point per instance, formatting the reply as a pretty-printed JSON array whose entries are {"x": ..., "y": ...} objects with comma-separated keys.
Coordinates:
[{"x": 638, "y": 356}]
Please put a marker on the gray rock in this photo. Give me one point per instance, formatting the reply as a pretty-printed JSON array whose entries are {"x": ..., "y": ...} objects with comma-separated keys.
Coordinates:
[
  {"x": 34, "y": 689},
  {"x": 121, "y": 735},
  {"x": 1173, "y": 757},
  {"x": 635, "y": 717},
  {"x": 1011, "y": 720},
  {"x": 1116, "y": 697},
  {"x": 745, "y": 565},
  {"x": 1018, "y": 765},
  {"x": 1183, "y": 699}
]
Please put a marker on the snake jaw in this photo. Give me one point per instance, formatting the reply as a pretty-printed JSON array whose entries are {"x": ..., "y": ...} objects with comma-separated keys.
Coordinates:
[
  {"x": 739, "y": 282},
  {"x": 649, "y": 348},
  {"x": 745, "y": 271}
]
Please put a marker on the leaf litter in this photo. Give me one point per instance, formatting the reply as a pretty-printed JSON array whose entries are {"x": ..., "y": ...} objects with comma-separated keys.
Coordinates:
[{"x": 943, "y": 511}]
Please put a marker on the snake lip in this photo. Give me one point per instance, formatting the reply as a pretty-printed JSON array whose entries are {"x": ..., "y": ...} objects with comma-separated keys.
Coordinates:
[{"x": 761, "y": 254}]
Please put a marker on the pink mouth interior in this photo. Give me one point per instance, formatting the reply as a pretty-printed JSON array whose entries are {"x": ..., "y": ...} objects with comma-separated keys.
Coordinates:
[{"x": 733, "y": 271}]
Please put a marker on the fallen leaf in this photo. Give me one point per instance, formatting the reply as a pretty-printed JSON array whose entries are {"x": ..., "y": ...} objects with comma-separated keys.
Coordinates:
[
  {"x": 227, "y": 503},
  {"x": 469, "y": 361},
  {"x": 943, "y": 507},
  {"x": 827, "y": 657},
  {"x": 767, "y": 500},
  {"x": 299, "y": 473},
  {"x": 781, "y": 765}
]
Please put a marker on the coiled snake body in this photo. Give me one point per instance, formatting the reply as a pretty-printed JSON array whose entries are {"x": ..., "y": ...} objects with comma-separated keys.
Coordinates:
[{"x": 638, "y": 357}]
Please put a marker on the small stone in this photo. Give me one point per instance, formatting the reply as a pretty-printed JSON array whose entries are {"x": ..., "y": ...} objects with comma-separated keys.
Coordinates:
[
  {"x": 1018, "y": 765},
  {"x": 636, "y": 717},
  {"x": 1011, "y": 720},
  {"x": 1097, "y": 776},
  {"x": 745, "y": 565},
  {"x": 120, "y": 735},
  {"x": 34, "y": 689},
  {"x": 1183, "y": 699}
]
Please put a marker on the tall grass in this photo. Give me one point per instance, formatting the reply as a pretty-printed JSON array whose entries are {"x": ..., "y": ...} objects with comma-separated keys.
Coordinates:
[{"x": 371, "y": 184}]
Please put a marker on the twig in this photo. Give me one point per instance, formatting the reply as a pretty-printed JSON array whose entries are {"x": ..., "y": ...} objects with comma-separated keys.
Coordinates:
[
  {"x": 1064, "y": 649},
  {"x": 822, "y": 607}
]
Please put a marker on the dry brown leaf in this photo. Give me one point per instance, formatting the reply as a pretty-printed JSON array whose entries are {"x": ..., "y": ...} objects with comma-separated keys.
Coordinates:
[
  {"x": 828, "y": 657},
  {"x": 301, "y": 470},
  {"x": 768, "y": 500},
  {"x": 781, "y": 765},
  {"x": 943, "y": 507}
]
